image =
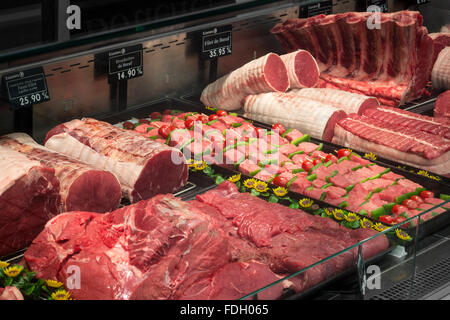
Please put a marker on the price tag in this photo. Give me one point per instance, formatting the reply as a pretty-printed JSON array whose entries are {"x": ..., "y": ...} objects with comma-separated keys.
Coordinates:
[
  {"x": 125, "y": 63},
  {"x": 27, "y": 87},
  {"x": 322, "y": 7},
  {"x": 423, "y": 1},
  {"x": 381, "y": 4},
  {"x": 216, "y": 42}
]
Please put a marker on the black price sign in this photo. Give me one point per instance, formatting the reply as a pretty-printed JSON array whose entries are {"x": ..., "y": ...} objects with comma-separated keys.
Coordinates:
[
  {"x": 216, "y": 42},
  {"x": 125, "y": 63},
  {"x": 323, "y": 7},
  {"x": 27, "y": 87},
  {"x": 381, "y": 4}
]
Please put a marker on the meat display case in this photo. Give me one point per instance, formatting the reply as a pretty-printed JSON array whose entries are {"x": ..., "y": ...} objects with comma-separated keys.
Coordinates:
[{"x": 173, "y": 74}]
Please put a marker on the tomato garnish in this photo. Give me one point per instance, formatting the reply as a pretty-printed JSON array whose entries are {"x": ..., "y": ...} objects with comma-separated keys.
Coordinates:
[
  {"x": 411, "y": 204},
  {"x": 331, "y": 157},
  {"x": 343, "y": 153},
  {"x": 155, "y": 115},
  {"x": 280, "y": 181},
  {"x": 317, "y": 161},
  {"x": 144, "y": 121},
  {"x": 417, "y": 199},
  {"x": 167, "y": 111},
  {"x": 189, "y": 123},
  {"x": 221, "y": 113},
  {"x": 386, "y": 219},
  {"x": 398, "y": 209},
  {"x": 307, "y": 165},
  {"x": 426, "y": 194},
  {"x": 164, "y": 131},
  {"x": 279, "y": 128},
  {"x": 213, "y": 117}
]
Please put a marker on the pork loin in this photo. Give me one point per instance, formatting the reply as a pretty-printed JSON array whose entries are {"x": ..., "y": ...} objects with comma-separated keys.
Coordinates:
[
  {"x": 302, "y": 69},
  {"x": 312, "y": 117},
  {"x": 440, "y": 75},
  {"x": 29, "y": 197},
  {"x": 265, "y": 74},
  {"x": 344, "y": 100},
  {"x": 82, "y": 187},
  {"x": 143, "y": 167}
]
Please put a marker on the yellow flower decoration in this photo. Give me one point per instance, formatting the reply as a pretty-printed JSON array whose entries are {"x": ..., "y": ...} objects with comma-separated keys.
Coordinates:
[
  {"x": 379, "y": 227},
  {"x": 235, "y": 178},
  {"x": 328, "y": 212},
  {"x": 370, "y": 156},
  {"x": 250, "y": 183},
  {"x": 191, "y": 163},
  {"x": 3, "y": 264},
  {"x": 60, "y": 294},
  {"x": 305, "y": 202},
  {"x": 365, "y": 223},
  {"x": 402, "y": 234},
  {"x": 338, "y": 214},
  {"x": 200, "y": 165},
  {"x": 280, "y": 191},
  {"x": 425, "y": 173},
  {"x": 53, "y": 283},
  {"x": 13, "y": 271},
  {"x": 351, "y": 217},
  {"x": 261, "y": 186}
]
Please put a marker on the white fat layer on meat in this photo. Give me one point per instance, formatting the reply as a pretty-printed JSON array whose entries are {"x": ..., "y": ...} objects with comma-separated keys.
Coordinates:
[
  {"x": 345, "y": 138},
  {"x": 126, "y": 172},
  {"x": 347, "y": 101},
  {"x": 440, "y": 75},
  {"x": 308, "y": 116},
  {"x": 14, "y": 165}
]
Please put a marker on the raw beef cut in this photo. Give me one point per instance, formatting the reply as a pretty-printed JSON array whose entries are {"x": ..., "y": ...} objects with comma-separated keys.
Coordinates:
[
  {"x": 440, "y": 76},
  {"x": 81, "y": 186},
  {"x": 289, "y": 239},
  {"x": 403, "y": 144},
  {"x": 10, "y": 293},
  {"x": 340, "y": 99},
  {"x": 390, "y": 61},
  {"x": 143, "y": 167},
  {"x": 162, "y": 248},
  {"x": 29, "y": 197},
  {"x": 312, "y": 117},
  {"x": 302, "y": 69},
  {"x": 442, "y": 106},
  {"x": 265, "y": 74}
]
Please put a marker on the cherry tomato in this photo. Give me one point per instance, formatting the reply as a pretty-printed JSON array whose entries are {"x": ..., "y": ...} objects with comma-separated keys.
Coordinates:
[
  {"x": 279, "y": 127},
  {"x": 343, "y": 153},
  {"x": 144, "y": 121},
  {"x": 331, "y": 158},
  {"x": 167, "y": 111},
  {"x": 280, "y": 181},
  {"x": 386, "y": 219},
  {"x": 317, "y": 161},
  {"x": 411, "y": 204},
  {"x": 398, "y": 220},
  {"x": 213, "y": 117},
  {"x": 128, "y": 125},
  {"x": 164, "y": 131},
  {"x": 203, "y": 118},
  {"x": 155, "y": 115},
  {"x": 307, "y": 165},
  {"x": 260, "y": 132},
  {"x": 398, "y": 209},
  {"x": 189, "y": 123},
  {"x": 417, "y": 199},
  {"x": 426, "y": 194},
  {"x": 221, "y": 113}
]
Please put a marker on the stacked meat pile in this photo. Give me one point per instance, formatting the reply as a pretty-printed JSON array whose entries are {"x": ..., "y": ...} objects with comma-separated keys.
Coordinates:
[
  {"x": 406, "y": 137},
  {"x": 384, "y": 55},
  {"x": 223, "y": 245}
]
